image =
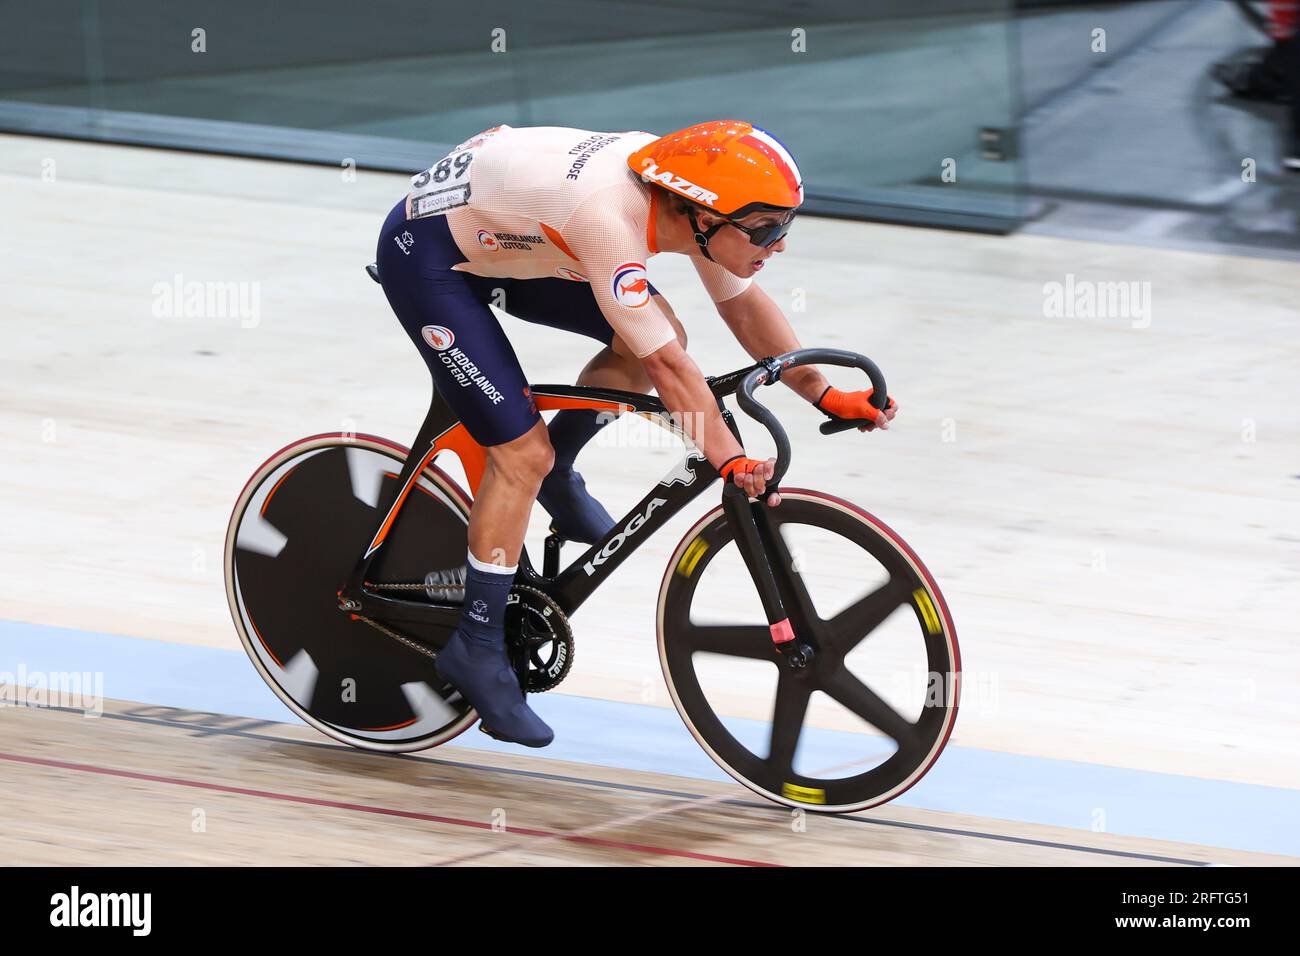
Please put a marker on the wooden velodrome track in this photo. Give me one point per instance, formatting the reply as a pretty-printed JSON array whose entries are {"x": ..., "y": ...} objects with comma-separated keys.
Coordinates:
[
  {"x": 127, "y": 788},
  {"x": 1110, "y": 508}
]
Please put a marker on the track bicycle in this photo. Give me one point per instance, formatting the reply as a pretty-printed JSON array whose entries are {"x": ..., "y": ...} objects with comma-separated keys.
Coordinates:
[{"x": 340, "y": 563}]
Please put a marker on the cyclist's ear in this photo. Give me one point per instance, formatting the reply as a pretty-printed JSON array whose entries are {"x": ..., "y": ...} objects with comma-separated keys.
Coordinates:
[{"x": 707, "y": 220}]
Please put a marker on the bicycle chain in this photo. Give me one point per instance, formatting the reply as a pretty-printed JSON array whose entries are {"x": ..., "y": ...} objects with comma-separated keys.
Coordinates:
[
  {"x": 401, "y": 639},
  {"x": 417, "y": 587}
]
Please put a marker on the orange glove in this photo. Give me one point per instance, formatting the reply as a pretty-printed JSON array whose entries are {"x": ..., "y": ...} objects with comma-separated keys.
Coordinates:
[
  {"x": 839, "y": 404},
  {"x": 739, "y": 465},
  {"x": 750, "y": 475}
]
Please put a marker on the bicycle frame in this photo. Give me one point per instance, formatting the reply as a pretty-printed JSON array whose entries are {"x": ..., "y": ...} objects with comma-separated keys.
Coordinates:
[{"x": 570, "y": 587}]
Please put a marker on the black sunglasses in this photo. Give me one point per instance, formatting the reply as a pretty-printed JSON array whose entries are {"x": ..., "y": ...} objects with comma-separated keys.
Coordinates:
[{"x": 765, "y": 236}]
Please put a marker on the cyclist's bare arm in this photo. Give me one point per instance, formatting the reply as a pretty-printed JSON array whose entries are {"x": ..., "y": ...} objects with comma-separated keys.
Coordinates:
[
  {"x": 681, "y": 385},
  {"x": 762, "y": 329}
]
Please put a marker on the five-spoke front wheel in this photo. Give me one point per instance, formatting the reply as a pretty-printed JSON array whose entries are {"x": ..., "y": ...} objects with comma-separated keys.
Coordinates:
[{"x": 870, "y": 711}]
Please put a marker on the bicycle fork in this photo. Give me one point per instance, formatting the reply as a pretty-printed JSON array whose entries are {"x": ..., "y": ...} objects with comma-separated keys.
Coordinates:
[{"x": 753, "y": 532}]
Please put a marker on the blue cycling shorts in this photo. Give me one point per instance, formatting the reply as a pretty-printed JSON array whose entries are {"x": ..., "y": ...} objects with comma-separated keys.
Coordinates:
[{"x": 446, "y": 314}]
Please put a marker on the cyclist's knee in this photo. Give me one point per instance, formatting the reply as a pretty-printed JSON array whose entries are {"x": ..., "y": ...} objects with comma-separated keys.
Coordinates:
[
  {"x": 542, "y": 458},
  {"x": 528, "y": 458}
]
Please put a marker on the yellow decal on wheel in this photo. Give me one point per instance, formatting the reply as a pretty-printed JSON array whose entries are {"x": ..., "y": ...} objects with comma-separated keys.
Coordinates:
[
  {"x": 803, "y": 794},
  {"x": 928, "y": 613},
  {"x": 691, "y": 557}
]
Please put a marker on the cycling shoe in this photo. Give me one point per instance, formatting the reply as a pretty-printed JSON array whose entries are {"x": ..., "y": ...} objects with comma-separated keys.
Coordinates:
[
  {"x": 576, "y": 515},
  {"x": 482, "y": 673}
]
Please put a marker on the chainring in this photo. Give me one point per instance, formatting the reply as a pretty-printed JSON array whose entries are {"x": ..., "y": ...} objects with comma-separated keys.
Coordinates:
[{"x": 538, "y": 639}]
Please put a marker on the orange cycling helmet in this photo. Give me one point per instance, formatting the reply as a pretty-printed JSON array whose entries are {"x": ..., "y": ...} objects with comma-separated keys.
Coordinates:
[{"x": 728, "y": 167}]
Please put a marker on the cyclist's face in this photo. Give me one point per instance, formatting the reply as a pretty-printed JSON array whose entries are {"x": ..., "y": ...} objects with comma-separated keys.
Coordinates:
[{"x": 733, "y": 250}]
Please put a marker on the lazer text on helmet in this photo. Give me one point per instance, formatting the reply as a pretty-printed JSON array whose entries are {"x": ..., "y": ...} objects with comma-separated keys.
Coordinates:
[{"x": 684, "y": 186}]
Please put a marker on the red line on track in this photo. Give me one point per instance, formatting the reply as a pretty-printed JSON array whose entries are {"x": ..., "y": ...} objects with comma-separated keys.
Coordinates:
[{"x": 383, "y": 811}]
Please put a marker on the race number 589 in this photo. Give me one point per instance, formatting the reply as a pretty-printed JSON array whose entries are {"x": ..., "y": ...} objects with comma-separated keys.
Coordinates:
[{"x": 443, "y": 186}]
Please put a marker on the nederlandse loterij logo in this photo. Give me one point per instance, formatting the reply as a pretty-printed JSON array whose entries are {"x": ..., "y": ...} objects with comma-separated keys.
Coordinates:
[
  {"x": 630, "y": 286},
  {"x": 438, "y": 336},
  {"x": 488, "y": 241}
]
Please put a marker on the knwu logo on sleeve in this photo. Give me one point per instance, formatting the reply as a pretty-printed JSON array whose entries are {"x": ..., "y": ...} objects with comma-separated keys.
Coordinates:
[
  {"x": 103, "y": 909},
  {"x": 631, "y": 288}
]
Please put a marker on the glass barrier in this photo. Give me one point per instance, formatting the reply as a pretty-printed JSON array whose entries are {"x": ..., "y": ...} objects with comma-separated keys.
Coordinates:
[{"x": 895, "y": 110}]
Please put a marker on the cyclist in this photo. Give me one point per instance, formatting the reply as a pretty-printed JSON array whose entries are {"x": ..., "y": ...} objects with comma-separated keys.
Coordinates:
[{"x": 554, "y": 226}]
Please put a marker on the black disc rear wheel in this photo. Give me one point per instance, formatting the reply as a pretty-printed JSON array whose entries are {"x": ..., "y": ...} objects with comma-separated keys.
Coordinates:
[{"x": 296, "y": 533}]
